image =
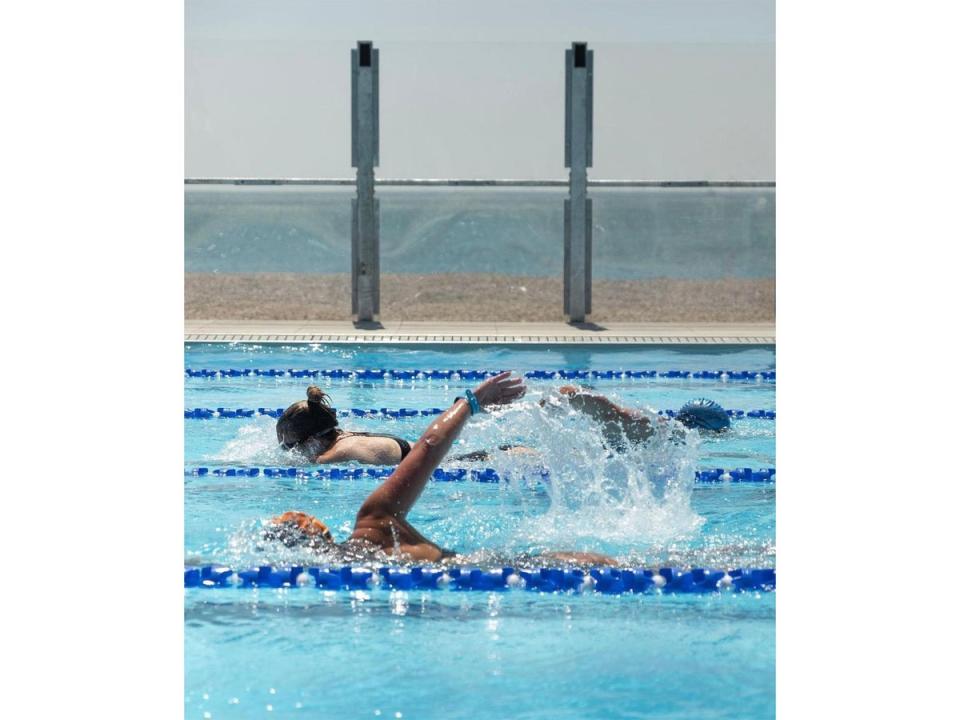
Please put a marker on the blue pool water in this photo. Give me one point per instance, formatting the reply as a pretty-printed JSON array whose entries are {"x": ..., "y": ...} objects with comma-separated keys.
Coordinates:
[{"x": 304, "y": 651}]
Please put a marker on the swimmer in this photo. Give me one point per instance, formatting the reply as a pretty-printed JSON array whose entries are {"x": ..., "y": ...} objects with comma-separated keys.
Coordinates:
[
  {"x": 381, "y": 525},
  {"x": 621, "y": 426},
  {"x": 310, "y": 427}
]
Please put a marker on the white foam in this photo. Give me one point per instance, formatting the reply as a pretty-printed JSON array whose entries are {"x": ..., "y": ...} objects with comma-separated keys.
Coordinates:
[
  {"x": 638, "y": 496},
  {"x": 256, "y": 444}
]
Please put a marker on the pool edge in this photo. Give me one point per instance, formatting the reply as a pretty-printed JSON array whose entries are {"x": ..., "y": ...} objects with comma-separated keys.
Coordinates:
[{"x": 467, "y": 333}]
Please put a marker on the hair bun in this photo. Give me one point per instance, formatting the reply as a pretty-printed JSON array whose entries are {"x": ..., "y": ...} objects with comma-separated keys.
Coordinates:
[{"x": 316, "y": 396}]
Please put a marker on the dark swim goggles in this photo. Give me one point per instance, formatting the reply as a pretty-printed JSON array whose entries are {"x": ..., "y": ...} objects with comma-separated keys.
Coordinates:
[{"x": 290, "y": 446}]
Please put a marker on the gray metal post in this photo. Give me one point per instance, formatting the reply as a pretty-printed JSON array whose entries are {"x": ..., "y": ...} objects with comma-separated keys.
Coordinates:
[
  {"x": 365, "y": 156},
  {"x": 578, "y": 209}
]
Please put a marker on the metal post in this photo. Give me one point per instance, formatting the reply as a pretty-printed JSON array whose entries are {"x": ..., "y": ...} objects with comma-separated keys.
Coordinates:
[
  {"x": 578, "y": 209},
  {"x": 365, "y": 156}
]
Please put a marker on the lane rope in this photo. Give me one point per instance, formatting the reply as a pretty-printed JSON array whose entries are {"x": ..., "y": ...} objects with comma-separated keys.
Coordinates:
[
  {"x": 613, "y": 581},
  {"x": 484, "y": 475},
  {"x": 415, "y": 374},
  {"x": 396, "y": 413}
]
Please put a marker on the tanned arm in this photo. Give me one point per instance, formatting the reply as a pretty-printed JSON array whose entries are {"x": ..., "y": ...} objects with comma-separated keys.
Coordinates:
[
  {"x": 615, "y": 421},
  {"x": 398, "y": 493}
]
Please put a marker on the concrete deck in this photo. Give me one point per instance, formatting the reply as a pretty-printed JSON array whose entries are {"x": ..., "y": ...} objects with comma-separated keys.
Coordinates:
[{"x": 259, "y": 331}]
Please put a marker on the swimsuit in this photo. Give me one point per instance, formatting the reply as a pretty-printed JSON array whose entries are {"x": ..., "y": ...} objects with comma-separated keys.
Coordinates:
[
  {"x": 358, "y": 550},
  {"x": 479, "y": 455},
  {"x": 404, "y": 445}
]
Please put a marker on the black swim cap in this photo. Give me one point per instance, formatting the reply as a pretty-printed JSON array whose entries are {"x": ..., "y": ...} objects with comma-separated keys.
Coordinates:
[{"x": 704, "y": 414}]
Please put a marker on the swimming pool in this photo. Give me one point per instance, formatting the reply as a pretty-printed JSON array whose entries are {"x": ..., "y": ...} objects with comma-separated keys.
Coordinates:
[{"x": 430, "y": 653}]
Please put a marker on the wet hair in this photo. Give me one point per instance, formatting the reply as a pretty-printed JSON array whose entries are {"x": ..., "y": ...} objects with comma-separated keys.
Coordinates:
[
  {"x": 306, "y": 418},
  {"x": 296, "y": 529}
]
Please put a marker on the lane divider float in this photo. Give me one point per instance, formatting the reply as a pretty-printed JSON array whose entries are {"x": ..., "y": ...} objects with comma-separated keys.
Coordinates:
[
  {"x": 484, "y": 475},
  {"x": 396, "y": 413},
  {"x": 414, "y": 374},
  {"x": 613, "y": 581}
]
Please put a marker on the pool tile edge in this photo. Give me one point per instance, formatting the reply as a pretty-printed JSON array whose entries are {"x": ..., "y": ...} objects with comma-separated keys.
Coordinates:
[{"x": 393, "y": 333}]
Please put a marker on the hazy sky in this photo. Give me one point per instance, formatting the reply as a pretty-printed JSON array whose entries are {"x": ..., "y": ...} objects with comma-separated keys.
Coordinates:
[{"x": 683, "y": 89}]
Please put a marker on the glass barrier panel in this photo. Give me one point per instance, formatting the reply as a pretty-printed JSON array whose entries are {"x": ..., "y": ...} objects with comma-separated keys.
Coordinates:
[{"x": 678, "y": 254}]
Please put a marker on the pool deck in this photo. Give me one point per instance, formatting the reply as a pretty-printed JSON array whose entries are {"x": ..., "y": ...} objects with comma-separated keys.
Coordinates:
[{"x": 475, "y": 333}]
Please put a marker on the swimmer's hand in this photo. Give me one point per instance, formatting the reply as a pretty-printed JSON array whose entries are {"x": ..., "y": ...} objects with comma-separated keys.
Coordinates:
[{"x": 500, "y": 390}]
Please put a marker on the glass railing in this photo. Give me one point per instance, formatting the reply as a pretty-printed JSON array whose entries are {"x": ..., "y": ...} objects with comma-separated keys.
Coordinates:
[{"x": 481, "y": 248}]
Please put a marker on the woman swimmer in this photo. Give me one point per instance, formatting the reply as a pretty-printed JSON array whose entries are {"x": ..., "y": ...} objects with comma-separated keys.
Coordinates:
[
  {"x": 311, "y": 428},
  {"x": 381, "y": 524}
]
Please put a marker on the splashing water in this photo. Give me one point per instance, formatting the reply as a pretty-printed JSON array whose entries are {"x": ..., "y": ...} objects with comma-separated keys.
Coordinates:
[
  {"x": 596, "y": 499},
  {"x": 256, "y": 444},
  {"x": 247, "y": 547},
  {"x": 637, "y": 496}
]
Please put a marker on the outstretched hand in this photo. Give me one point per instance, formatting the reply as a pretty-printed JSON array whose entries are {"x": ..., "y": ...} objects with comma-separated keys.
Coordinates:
[{"x": 500, "y": 390}]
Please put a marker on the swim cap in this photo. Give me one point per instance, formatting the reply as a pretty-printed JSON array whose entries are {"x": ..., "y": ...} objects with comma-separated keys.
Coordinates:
[
  {"x": 297, "y": 528},
  {"x": 704, "y": 414}
]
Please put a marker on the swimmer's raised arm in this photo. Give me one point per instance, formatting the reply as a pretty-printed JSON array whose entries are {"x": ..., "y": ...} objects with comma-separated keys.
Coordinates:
[
  {"x": 400, "y": 491},
  {"x": 381, "y": 523}
]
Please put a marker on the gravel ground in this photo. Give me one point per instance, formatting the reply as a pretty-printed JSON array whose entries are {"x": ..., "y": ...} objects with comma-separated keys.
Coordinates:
[{"x": 475, "y": 297}]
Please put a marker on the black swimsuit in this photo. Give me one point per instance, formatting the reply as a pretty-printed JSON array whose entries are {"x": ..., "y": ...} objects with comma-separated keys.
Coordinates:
[
  {"x": 404, "y": 445},
  {"x": 479, "y": 455}
]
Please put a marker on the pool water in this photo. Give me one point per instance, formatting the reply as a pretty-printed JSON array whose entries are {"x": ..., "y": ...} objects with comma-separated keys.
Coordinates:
[{"x": 304, "y": 651}]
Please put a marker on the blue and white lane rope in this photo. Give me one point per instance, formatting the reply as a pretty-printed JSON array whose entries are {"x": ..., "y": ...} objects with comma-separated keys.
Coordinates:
[
  {"x": 396, "y": 413},
  {"x": 613, "y": 581},
  {"x": 484, "y": 475},
  {"x": 377, "y": 374}
]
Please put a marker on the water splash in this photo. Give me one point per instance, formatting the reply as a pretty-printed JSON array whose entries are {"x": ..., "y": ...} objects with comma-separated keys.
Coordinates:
[
  {"x": 597, "y": 496},
  {"x": 248, "y": 547},
  {"x": 256, "y": 444}
]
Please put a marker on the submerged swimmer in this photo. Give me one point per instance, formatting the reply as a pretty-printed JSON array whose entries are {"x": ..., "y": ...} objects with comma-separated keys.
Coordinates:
[
  {"x": 381, "y": 525},
  {"x": 311, "y": 428}
]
